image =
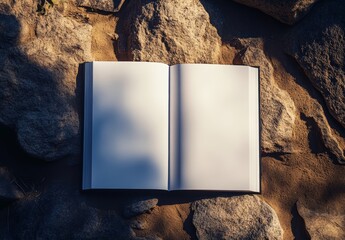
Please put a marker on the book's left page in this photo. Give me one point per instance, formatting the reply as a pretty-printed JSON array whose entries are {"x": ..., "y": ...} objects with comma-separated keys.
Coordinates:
[{"x": 127, "y": 123}]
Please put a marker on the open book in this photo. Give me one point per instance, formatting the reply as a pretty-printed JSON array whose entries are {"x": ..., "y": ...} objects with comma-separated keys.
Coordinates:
[{"x": 182, "y": 127}]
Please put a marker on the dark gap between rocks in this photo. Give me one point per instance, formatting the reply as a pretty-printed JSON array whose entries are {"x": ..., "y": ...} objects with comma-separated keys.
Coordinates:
[
  {"x": 188, "y": 225},
  {"x": 298, "y": 225},
  {"x": 234, "y": 20},
  {"x": 314, "y": 135}
]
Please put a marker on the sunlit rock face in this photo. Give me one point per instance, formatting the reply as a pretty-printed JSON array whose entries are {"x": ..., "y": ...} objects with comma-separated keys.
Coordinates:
[
  {"x": 240, "y": 217},
  {"x": 277, "y": 110},
  {"x": 169, "y": 31},
  {"x": 322, "y": 224}
]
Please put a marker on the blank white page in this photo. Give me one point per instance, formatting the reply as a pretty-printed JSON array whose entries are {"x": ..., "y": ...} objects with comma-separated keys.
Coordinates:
[
  {"x": 210, "y": 122},
  {"x": 129, "y": 125}
]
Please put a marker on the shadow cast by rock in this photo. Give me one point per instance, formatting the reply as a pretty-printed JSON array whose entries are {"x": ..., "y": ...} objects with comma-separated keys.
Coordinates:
[
  {"x": 35, "y": 100},
  {"x": 234, "y": 20}
]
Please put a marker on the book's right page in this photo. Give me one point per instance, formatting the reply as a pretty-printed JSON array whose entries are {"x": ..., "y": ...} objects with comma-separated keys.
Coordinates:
[{"x": 214, "y": 127}]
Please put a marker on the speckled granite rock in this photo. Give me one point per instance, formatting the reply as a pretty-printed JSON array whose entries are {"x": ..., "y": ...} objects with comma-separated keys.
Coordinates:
[
  {"x": 40, "y": 59},
  {"x": 318, "y": 46},
  {"x": 241, "y": 217},
  {"x": 172, "y": 32},
  {"x": 139, "y": 207}
]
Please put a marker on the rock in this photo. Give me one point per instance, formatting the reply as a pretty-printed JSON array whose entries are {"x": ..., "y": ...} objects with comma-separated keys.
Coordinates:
[
  {"x": 104, "y": 5},
  {"x": 240, "y": 217},
  {"x": 9, "y": 189},
  {"x": 322, "y": 225},
  {"x": 139, "y": 207},
  {"x": 40, "y": 61},
  {"x": 319, "y": 121},
  {"x": 177, "y": 31},
  {"x": 54, "y": 129},
  {"x": 61, "y": 213},
  {"x": 318, "y": 46},
  {"x": 278, "y": 111},
  {"x": 289, "y": 11},
  {"x": 139, "y": 224}
]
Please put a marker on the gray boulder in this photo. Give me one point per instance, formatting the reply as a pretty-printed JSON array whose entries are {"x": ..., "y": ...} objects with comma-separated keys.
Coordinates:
[
  {"x": 241, "y": 217},
  {"x": 177, "y": 31},
  {"x": 40, "y": 60},
  {"x": 318, "y": 46},
  {"x": 139, "y": 207},
  {"x": 139, "y": 224}
]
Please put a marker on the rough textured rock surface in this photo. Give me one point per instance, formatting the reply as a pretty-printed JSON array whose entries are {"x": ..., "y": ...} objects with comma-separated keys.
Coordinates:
[
  {"x": 9, "y": 189},
  {"x": 40, "y": 59},
  {"x": 241, "y": 217},
  {"x": 140, "y": 225},
  {"x": 277, "y": 107},
  {"x": 289, "y": 11},
  {"x": 323, "y": 225},
  {"x": 139, "y": 207},
  {"x": 169, "y": 31},
  {"x": 325, "y": 133},
  {"x": 61, "y": 213},
  {"x": 318, "y": 46},
  {"x": 104, "y": 5}
]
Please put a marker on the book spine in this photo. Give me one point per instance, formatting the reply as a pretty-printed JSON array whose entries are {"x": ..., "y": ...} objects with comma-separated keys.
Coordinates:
[{"x": 87, "y": 134}]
